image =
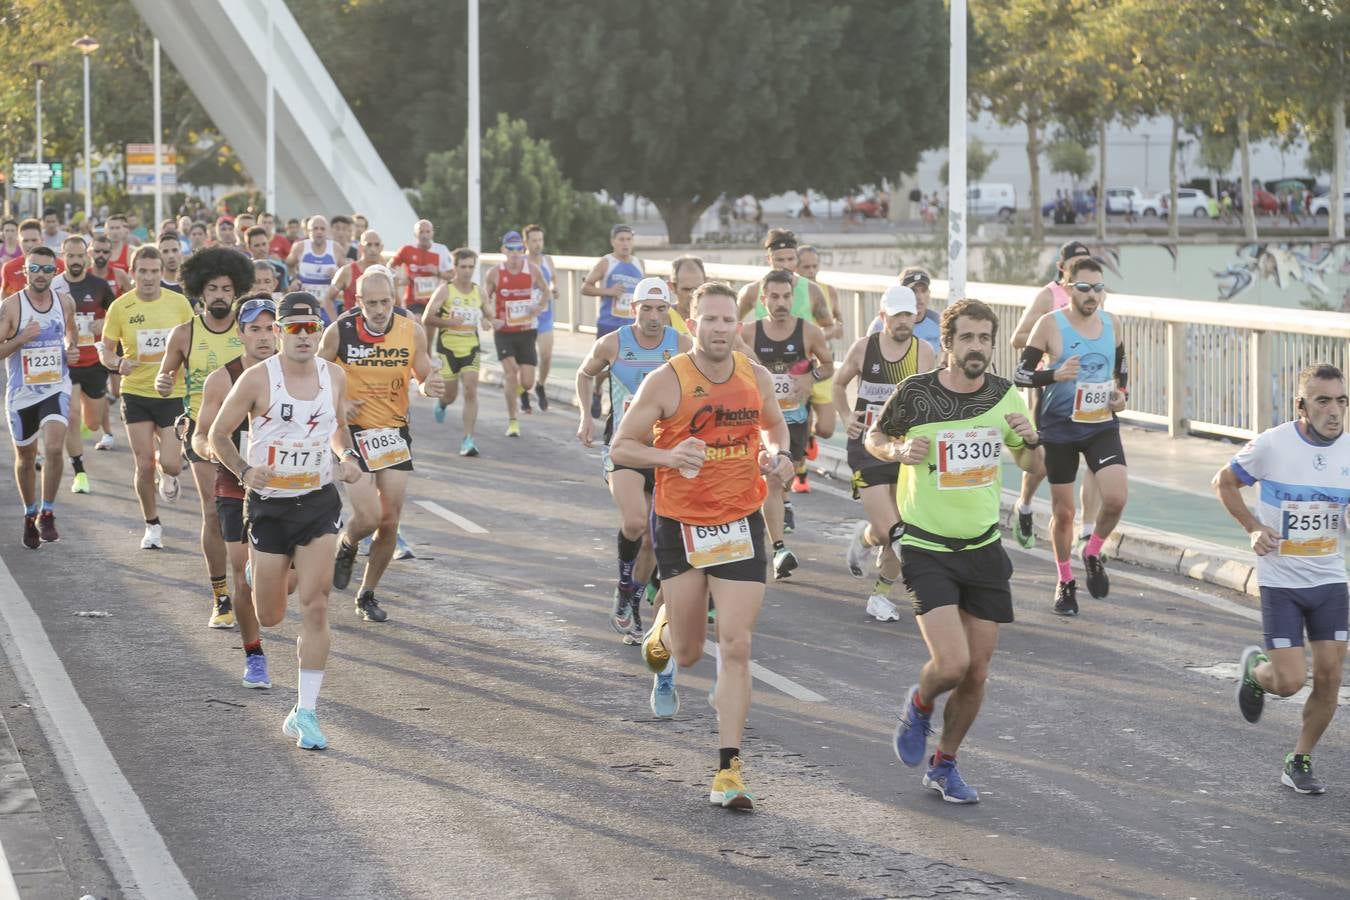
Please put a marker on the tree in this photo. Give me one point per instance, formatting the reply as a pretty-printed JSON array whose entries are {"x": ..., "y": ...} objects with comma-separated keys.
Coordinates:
[
  {"x": 1071, "y": 158},
  {"x": 978, "y": 160},
  {"x": 1217, "y": 149},
  {"x": 521, "y": 183}
]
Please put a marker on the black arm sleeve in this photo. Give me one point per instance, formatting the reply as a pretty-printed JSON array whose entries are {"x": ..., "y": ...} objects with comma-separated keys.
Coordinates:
[
  {"x": 1027, "y": 374},
  {"x": 1122, "y": 368}
]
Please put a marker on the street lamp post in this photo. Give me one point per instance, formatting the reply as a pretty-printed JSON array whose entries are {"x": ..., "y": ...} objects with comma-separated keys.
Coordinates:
[
  {"x": 38, "y": 66},
  {"x": 87, "y": 45}
]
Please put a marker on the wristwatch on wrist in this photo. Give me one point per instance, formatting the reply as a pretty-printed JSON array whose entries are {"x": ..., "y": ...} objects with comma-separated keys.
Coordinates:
[
  {"x": 350, "y": 452},
  {"x": 244, "y": 471}
]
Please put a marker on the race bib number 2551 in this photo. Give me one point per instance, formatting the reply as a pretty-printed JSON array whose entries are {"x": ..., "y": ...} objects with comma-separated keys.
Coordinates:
[{"x": 1310, "y": 527}]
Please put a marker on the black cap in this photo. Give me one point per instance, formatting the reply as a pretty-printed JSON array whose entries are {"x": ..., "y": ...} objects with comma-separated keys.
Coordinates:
[
  {"x": 1073, "y": 248},
  {"x": 914, "y": 278},
  {"x": 298, "y": 303}
]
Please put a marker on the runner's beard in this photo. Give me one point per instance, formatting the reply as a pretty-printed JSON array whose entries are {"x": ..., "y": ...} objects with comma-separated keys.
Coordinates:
[
  {"x": 76, "y": 270},
  {"x": 219, "y": 311},
  {"x": 974, "y": 365}
]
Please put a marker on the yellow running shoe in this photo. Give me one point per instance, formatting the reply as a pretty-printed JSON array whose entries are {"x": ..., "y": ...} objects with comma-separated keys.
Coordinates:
[
  {"x": 222, "y": 615},
  {"x": 654, "y": 653},
  {"x": 728, "y": 790},
  {"x": 513, "y": 428}
]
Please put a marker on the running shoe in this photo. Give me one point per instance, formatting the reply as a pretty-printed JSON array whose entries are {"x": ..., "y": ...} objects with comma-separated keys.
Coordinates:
[
  {"x": 789, "y": 519},
  {"x": 857, "y": 551},
  {"x": 343, "y": 561},
  {"x": 467, "y": 448},
  {"x": 255, "y": 672},
  {"x": 105, "y": 442},
  {"x": 222, "y": 615},
  {"x": 621, "y": 615},
  {"x": 81, "y": 483},
  {"x": 634, "y": 636},
  {"x": 784, "y": 561},
  {"x": 368, "y": 608},
  {"x": 32, "y": 538},
  {"x": 363, "y": 547},
  {"x": 543, "y": 397},
  {"x": 1251, "y": 697},
  {"x": 303, "y": 725},
  {"x": 595, "y": 406},
  {"x": 1298, "y": 774},
  {"x": 882, "y": 609},
  {"x": 47, "y": 527},
  {"x": 403, "y": 549},
  {"x": 728, "y": 789},
  {"x": 654, "y": 653},
  {"x": 169, "y": 487},
  {"x": 813, "y": 448},
  {"x": 1099, "y": 584},
  {"x": 153, "y": 539},
  {"x": 39, "y": 461},
  {"x": 946, "y": 780},
  {"x": 85, "y": 432},
  {"x": 525, "y": 402},
  {"x": 665, "y": 699},
  {"x": 440, "y": 413},
  {"x": 800, "y": 485},
  {"x": 513, "y": 428},
  {"x": 1066, "y": 598},
  {"x": 1026, "y": 530},
  {"x": 911, "y": 734}
]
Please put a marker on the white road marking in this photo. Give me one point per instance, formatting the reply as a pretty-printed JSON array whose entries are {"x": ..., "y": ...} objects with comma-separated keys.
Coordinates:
[
  {"x": 453, "y": 518},
  {"x": 829, "y": 489},
  {"x": 9, "y": 890},
  {"x": 1228, "y": 671},
  {"x": 133, "y": 847},
  {"x": 773, "y": 679}
]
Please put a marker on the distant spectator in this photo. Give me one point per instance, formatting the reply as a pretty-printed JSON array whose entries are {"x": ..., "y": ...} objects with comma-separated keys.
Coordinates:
[{"x": 52, "y": 233}]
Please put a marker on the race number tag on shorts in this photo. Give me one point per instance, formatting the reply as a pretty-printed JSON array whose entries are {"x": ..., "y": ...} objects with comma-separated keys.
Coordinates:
[
  {"x": 518, "y": 312},
  {"x": 382, "y": 448},
  {"x": 84, "y": 327},
  {"x": 968, "y": 458},
  {"x": 783, "y": 385},
  {"x": 713, "y": 545},
  {"x": 42, "y": 365},
  {"x": 1310, "y": 527},
  {"x": 151, "y": 344},
  {"x": 1092, "y": 402},
  {"x": 425, "y": 285},
  {"x": 296, "y": 465}
]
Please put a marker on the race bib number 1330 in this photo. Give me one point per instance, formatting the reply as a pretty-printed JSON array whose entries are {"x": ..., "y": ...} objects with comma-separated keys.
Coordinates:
[{"x": 968, "y": 458}]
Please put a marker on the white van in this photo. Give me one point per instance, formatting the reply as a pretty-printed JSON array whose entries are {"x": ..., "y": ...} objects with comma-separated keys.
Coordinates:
[{"x": 991, "y": 199}]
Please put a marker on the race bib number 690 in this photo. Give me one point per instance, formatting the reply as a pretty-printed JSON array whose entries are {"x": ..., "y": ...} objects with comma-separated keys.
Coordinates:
[{"x": 714, "y": 545}]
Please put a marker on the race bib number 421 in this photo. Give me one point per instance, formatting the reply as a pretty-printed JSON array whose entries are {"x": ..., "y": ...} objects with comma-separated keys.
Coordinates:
[
  {"x": 715, "y": 545},
  {"x": 1310, "y": 527},
  {"x": 968, "y": 458},
  {"x": 151, "y": 344}
]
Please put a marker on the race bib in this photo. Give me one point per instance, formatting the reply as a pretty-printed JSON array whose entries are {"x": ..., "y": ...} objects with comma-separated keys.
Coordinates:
[
  {"x": 296, "y": 465},
  {"x": 623, "y": 306},
  {"x": 425, "y": 285},
  {"x": 519, "y": 312},
  {"x": 151, "y": 344},
  {"x": 382, "y": 448},
  {"x": 968, "y": 459},
  {"x": 84, "y": 327},
  {"x": 469, "y": 316},
  {"x": 42, "y": 365},
  {"x": 871, "y": 414},
  {"x": 1091, "y": 402},
  {"x": 714, "y": 545},
  {"x": 783, "y": 385},
  {"x": 1310, "y": 527},
  {"x": 874, "y": 391}
]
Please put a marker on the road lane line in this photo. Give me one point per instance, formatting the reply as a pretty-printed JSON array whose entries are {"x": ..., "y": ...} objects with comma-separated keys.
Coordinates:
[
  {"x": 453, "y": 518},
  {"x": 133, "y": 847},
  {"x": 9, "y": 889},
  {"x": 773, "y": 679}
]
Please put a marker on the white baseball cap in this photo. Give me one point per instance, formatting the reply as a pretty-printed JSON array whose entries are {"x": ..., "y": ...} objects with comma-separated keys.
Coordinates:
[
  {"x": 652, "y": 289},
  {"x": 898, "y": 299}
]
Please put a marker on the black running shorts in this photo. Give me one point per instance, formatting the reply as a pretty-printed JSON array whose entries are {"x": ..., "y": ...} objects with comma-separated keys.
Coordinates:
[
  {"x": 280, "y": 524},
  {"x": 975, "y": 580},
  {"x": 668, "y": 539}
]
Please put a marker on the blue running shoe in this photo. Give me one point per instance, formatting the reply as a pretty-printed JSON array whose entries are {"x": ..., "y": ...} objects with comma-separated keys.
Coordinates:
[
  {"x": 911, "y": 734},
  {"x": 364, "y": 547},
  {"x": 255, "y": 671},
  {"x": 440, "y": 413},
  {"x": 403, "y": 549},
  {"x": 946, "y": 780},
  {"x": 467, "y": 448},
  {"x": 665, "y": 700},
  {"x": 303, "y": 725}
]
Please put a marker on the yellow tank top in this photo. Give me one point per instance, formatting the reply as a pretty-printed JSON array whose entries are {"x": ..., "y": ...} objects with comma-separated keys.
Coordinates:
[
  {"x": 677, "y": 321},
  {"x": 207, "y": 351},
  {"x": 470, "y": 308}
]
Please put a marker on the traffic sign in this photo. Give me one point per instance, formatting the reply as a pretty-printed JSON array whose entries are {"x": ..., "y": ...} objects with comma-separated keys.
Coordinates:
[
  {"x": 140, "y": 168},
  {"x": 30, "y": 175}
]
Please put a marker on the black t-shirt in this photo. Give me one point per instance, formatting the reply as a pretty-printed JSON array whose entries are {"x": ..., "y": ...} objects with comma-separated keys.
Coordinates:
[{"x": 89, "y": 293}]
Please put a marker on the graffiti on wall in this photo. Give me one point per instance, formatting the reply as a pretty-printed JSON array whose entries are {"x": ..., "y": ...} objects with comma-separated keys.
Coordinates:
[{"x": 1286, "y": 266}]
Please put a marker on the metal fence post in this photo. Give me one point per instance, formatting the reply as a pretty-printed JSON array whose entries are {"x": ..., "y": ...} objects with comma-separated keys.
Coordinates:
[
  {"x": 1260, "y": 404},
  {"x": 1176, "y": 379}
]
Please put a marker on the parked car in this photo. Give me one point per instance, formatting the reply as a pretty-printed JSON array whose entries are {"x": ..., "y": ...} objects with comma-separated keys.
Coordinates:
[
  {"x": 1321, "y": 206},
  {"x": 1118, "y": 201},
  {"x": 991, "y": 199},
  {"x": 1190, "y": 202}
]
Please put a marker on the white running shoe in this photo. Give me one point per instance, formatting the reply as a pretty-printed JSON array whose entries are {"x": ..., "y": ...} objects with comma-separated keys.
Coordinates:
[
  {"x": 857, "y": 551},
  {"x": 153, "y": 538},
  {"x": 105, "y": 442},
  {"x": 882, "y": 609},
  {"x": 169, "y": 487}
]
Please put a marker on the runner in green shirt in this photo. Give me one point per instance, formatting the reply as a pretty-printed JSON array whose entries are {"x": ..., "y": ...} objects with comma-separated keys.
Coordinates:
[{"x": 948, "y": 429}]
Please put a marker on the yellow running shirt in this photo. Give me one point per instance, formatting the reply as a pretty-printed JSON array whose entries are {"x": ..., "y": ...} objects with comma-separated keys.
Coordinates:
[{"x": 142, "y": 327}]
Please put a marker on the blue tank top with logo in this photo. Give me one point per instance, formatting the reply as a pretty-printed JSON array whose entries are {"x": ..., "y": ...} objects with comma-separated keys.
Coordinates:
[
  {"x": 634, "y": 363},
  {"x": 1076, "y": 410},
  {"x": 618, "y": 311}
]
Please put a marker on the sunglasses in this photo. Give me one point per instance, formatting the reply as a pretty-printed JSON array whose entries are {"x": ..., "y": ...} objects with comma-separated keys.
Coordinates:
[
  {"x": 44, "y": 268},
  {"x": 1084, "y": 286},
  {"x": 301, "y": 327}
]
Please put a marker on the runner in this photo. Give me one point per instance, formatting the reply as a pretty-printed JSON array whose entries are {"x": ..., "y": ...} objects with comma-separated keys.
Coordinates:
[
  {"x": 293, "y": 511},
  {"x": 421, "y": 268},
  {"x": 171, "y": 255},
  {"x": 256, "y": 241},
  {"x": 1298, "y": 539},
  {"x": 686, "y": 274},
  {"x": 612, "y": 279},
  {"x": 630, "y": 354},
  {"x": 795, "y": 351},
  {"x": 41, "y": 343},
  {"x": 534, "y": 243},
  {"x": 204, "y": 343},
  {"x": 10, "y": 248},
  {"x": 1083, "y": 392},
  {"x": 265, "y": 279},
  {"x": 256, "y": 319},
  {"x": 879, "y": 362},
  {"x": 313, "y": 262},
  {"x": 947, "y": 429},
  {"x": 116, "y": 230},
  {"x": 100, "y": 251},
  {"x": 196, "y": 236},
  {"x": 88, "y": 378},
  {"x": 379, "y": 350},
  {"x": 452, "y": 320},
  {"x": 517, "y": 293},
  {"x": 277, "y": 246},
  {"x": 226, "y": 235},
  {"x": 1054, "y": 296},
  {"x": 709, "y": 425},
  {"x": 822, "y": 394},
  {"x": 342, "y": 236},
  {"x": 140, "y": 322},
  {"x": 343, "y": 285},
  {"x": 52, "y": 235},
  {"x": 15, "y": 272}
]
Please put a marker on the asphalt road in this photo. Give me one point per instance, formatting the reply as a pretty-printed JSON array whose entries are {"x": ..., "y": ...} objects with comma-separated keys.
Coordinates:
[{"x": 493, "y": 738}]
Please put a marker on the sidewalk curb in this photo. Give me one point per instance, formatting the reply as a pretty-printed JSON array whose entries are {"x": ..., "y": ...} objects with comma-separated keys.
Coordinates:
[
  {"x": 30, "y": 861},
  {"x": 1162, "y": 551}
]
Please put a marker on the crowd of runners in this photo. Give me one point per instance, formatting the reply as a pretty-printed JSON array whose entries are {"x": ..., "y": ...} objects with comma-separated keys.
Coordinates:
[{"x": 273, "y": 370}]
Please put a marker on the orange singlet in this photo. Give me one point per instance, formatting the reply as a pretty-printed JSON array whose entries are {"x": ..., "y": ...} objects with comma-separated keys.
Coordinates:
[{"x": 726, "y": 417}]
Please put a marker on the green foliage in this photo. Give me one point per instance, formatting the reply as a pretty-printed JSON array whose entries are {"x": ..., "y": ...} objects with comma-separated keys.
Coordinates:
[
  {"x": 978, "y": 160},
  {"x": 1071, "y": 158},
  {"x": 1217, "y": 149},
  {"x": 521, "y": 183},
  {"x": 1320, "y": 152}
]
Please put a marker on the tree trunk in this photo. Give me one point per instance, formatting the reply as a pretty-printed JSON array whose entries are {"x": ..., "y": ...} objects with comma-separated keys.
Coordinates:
[
  {"x": 1034, "y": 161},
  {"x": 1101, "y": 181},
  {"x": 1173, "y": 215},
  {"x": 1248, "y": 195},
  {"x": 1337, "y": 198},
  {"x": 680, "y": 215}
]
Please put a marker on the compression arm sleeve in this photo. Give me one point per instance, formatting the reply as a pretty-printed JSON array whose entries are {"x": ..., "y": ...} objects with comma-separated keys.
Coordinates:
[
  {"x": 1122, "y": 368},
  {"x": 1027, "y": 374}
]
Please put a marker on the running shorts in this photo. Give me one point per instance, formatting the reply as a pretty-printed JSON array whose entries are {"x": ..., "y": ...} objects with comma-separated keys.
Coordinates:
[
  {"x": 163, "y": 411},
  {"x": 1285, "y": 613},
  {"x": 280, "y": 524},
  {"x": 26, "y": 424},
  {"x": 1101, "y": 450},
  {"x": 518, "y": 344},
  {"x": 91, "y": 379},
  {"x": 668, "y": 540},
  {"x": 975, "y": 580},
  {"x": 230, "y": 515}
]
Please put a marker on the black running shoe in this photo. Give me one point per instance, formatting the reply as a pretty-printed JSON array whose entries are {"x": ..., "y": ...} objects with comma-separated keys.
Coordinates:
[
  {"x": 1026, "y": 530},
  {"x": 1099, "y": 585},
  {"x": 1066, "y": 598},
  {"x": 32, "y": 538},
  {"x": 368, "y": 608},
  {"x": 1298, "y": 774},
  {"x": 1251, "y": 697},
  {"x": 342, "y": 564},
  {"x": 525, "y": 403},
  {"x": 543, "y": 397}
]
